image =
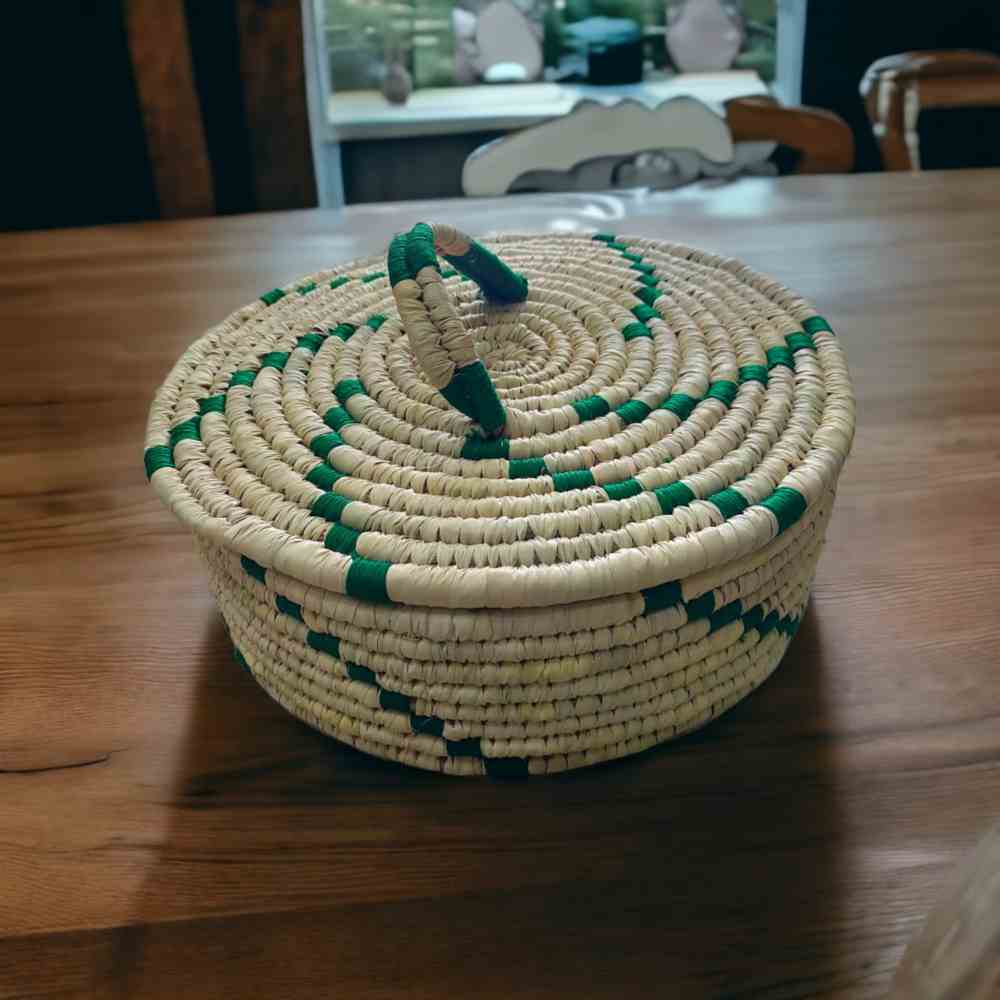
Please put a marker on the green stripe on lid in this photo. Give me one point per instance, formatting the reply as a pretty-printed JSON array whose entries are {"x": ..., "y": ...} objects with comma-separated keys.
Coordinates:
[
  {"x": 526, "y": 468},
  {"x": 366, "y": 578},
  {"x": 779, "y": 356},
  {"x": 159, "y": 456},
  {"x": 341, "y": 539},
  {"x": 729, "y": 501},
  {"x": 591, "y": 408},
  {"x": 787, "y": 505},
  {"x": 673, "y": 496},
  {"x": 330, "y": 506},
  {"x": 323, "y": 476},
  {"x": 816, "y": 324},
  {"x": 322, "y": 445},
  {"x": 623, "y": 490},
  {"x": 477, "y": 448},
  {"x": 577, "y": 479}
]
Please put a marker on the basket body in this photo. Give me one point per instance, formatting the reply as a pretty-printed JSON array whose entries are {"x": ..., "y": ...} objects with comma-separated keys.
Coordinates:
[{"x": 629, "y": 559}]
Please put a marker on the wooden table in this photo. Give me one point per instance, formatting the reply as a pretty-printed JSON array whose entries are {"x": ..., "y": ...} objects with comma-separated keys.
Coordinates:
[{"x": 167, "y": 831}]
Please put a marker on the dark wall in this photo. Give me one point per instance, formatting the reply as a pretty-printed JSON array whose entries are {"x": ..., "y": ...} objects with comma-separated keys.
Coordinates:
[
  {"x": 74, "y": 146},
  {"x": 75, "y": 151},
  {"x": 843, "y": 38}
]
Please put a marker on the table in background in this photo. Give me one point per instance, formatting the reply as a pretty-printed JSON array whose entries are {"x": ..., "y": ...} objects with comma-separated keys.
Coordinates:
[{"x": 166, "y": 830}]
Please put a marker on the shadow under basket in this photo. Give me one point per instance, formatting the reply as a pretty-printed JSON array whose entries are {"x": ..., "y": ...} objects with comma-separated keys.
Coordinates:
[{"x": 513, "y": 507}]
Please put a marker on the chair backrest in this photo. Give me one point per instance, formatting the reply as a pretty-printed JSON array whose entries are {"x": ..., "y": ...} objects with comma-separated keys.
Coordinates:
[
  {"x": 592, "y": 140},
  {"x": 234, "y": 137},
  {"x": 624, "y": 145},
  {"x": 898, "y": 88},
  {"x": 823, "y": 140}
]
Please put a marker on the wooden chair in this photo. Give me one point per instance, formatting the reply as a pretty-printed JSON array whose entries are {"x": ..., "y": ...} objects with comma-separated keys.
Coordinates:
[
  {"x": 898, "y": 88},
  {"x": 234, "y": 137},
  {"x": 823, "y": 140}
]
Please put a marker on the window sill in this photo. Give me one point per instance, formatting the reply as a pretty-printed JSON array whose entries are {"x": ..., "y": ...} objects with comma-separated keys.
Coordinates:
[{"x": 365, "y": 114}]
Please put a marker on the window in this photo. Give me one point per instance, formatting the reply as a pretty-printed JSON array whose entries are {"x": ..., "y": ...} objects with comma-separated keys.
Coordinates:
[{"x": 436, "y": 41}]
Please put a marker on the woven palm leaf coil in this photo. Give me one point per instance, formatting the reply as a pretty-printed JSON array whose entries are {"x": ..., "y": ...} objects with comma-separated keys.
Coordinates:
[{"x": 513, "y": 507}]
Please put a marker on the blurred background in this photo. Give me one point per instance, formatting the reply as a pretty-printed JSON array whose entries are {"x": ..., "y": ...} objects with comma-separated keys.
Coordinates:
[{"x": 124, "y": 110}]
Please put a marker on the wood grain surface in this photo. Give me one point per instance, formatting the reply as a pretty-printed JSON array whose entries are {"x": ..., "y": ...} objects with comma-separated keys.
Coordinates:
[{"x": 167, "y": 831}]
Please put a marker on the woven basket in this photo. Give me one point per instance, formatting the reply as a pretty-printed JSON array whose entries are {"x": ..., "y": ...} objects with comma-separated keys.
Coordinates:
[{"x": 546, "y": 517}]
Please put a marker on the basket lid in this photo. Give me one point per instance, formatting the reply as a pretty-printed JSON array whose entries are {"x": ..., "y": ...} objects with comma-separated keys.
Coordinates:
[{"x": 538, "y": 420}]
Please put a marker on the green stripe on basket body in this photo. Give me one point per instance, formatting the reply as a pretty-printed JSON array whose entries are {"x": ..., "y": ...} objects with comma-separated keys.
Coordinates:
[
  {"x": 242, "y": 377},
  {"x": 604, "y": 237},
  {"x": 374, "y": 321},
  {"x": 464, "y": 748},
  {"x": 526, "y": 468},
  {"x": 672, "y": 496},
  {"x": 340, "y": 282},
  {"x": 274, "y": 295},
  {"x": 634, "y": 258},
  {"x": 366, "y": 579},
  {"x": 254, "y": 569},
  {"x": 725, "y": 615},
  {"x": 666, "y": 595},
  {"x": 393, "y": 701},
  {"x": 159, "y": 456},
  {"x": 700, "y": 607},
  {"x": 577, "y": 479},
  {"x": 287, "y": 607},
  {"x": 309, "y": 286},
  {"x": 651, "y": 281},
  {"x": 324, "y": 643},
  {"x": 591, "y": 408},
  {"x": 374, "y": 276},
  {"x": 363, "y": 675},
  {"x": 642, "y": 268},
  {"x": 477, "y": 448},
  {"x": 816, "y": 324},
  {"x": 787, "y": 505}
]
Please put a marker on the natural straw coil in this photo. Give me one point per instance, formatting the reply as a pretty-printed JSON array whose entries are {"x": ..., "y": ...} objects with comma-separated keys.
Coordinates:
[{"x": 551, "y": 503}]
